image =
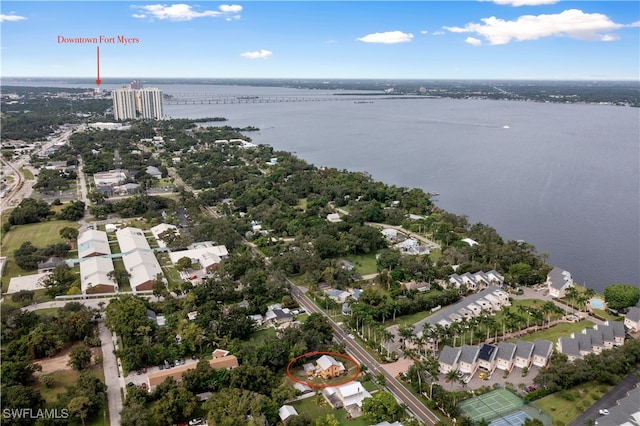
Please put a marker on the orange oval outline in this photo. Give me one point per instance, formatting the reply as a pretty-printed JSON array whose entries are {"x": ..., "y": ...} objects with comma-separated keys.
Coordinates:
[{"x": 319, "y": 386}]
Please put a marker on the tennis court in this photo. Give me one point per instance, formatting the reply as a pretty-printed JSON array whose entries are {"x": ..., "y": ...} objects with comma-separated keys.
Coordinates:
[
  {"x": 490, "y": 405},
  {"x": 513, "y": 419}
]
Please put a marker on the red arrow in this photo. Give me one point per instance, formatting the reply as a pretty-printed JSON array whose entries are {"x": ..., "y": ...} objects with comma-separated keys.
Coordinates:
[{"x": 98, "y": 81}]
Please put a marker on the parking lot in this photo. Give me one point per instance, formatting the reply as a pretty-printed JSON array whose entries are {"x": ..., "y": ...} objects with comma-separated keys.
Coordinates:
[{"x": 475, "y": 382}]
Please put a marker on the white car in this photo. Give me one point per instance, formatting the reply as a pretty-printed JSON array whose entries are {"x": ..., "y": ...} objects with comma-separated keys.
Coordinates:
[
  {"x": 196, "y": 421},
  {"x": 604, "y": 412}
]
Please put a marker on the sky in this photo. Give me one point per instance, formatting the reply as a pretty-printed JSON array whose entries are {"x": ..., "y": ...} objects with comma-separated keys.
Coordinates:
[{"x": 498, "y": 39}]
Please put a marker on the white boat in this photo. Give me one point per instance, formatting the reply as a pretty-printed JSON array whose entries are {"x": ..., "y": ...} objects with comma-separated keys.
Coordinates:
[{"x": 506, "y": 127}]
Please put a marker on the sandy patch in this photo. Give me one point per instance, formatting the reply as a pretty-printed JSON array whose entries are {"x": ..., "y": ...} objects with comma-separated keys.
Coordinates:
[
  {"x": 400, "y": 366},
  {"x": 60, "y": 362}
]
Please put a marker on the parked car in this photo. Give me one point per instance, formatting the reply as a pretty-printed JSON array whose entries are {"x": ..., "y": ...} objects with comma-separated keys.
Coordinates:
[
  {"x": 196, "y": 421},
  {"x": 531, "y": 388},
  {"x": 130, "y": 384},
  {"x": 139, "y": 372},
  {"x": 182, "y": 361},
  {"x": 604, "y": 412}
]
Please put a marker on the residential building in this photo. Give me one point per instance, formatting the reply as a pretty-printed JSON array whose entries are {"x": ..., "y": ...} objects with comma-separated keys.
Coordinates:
[
  {"x": 227, "y": 362},
  {"x": 619, "y": 333},
  {"x": 286, "y": 411},
  {"x": 449, "y": 359},
  {"x": 95, "y": 275},
  {"x": 139, "y": 260},
  {"x": 131, "y": 104},
  {"x": 524, "y": 352},
  {"x": 157, "y": 230},
  {"x": 110, "y": 178},
  {"x": 542, "y": 350},
  {"x": 328, "y": 367},
  {"x": 333, "y": 218},
  {"x": 505, "y": 356},
  {"x": 349, "y": 397},
  {"x": 468, "y": 361},
  {"x": 49, "y": 264},
  {"x": 487, "y": 357},
  {"x": 558, "y": 281},
  {"x": 632, "y": 319},
  {"x": 93, "y": 243},
  {"x": 569, "y": 347},
  {"x": 154, "y": 171}
]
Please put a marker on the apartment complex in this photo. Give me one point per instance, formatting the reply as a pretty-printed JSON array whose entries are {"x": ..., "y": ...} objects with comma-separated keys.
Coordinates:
[{"x": 135, "y": 102}]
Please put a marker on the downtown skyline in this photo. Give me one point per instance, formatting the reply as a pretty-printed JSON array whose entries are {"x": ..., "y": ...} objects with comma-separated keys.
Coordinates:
[{"x": 501, "y": 39}]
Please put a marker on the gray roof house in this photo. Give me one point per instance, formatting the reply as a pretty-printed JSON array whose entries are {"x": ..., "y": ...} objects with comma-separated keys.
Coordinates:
[
  {"x": 569, "y": 347},
  {"x": 584, "y": 343},
  {"x": 608, "y": 339},
  {"x": 619, "y": 332},
  {"x": 524, "y": 350},
  {"x": 542, "y": 352},
  {"x": 449, "y": 358},
  {"x": 468, "y": 362},
  {"x": 505, "y": 356},
  {"x": 487, "y": 357},
  {"x": 632, "y": 319},
  {"x": 558, "y": 280},
  {"x": 597, "y": 341}
]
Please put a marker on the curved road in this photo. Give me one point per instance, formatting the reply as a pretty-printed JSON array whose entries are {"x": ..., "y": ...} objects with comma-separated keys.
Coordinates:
[{"x": 421, "y": 412}]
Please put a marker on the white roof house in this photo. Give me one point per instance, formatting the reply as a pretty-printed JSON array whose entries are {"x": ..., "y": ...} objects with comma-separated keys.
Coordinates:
[
  {"x": 207, "y": 257},
  {"x": 143, "y": 267},
  {"x": 352, "y": 394},
  {"x": 470, "y": 241},
  {"x": 219, "y": 250},
  {"x": 130, "y": 239},
  {"x": 389, "y": 233},
  {"x": 162, "y": 228},
  {"x": 93, "y": 243},
  {"x": 326, "y": 361},
  {"x": 558, "y": 280},
  {"x": 94, "y": 275},
  {"x": 333, "y": 218},
  {"x": 286, "y": 411}
]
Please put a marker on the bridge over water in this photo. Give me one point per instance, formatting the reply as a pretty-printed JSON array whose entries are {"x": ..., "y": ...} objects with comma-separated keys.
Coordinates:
[{"x": 210, "y": 98}]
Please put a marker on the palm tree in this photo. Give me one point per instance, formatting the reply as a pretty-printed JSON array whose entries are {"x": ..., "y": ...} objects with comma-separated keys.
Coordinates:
[{"x": 452, "y": 376}]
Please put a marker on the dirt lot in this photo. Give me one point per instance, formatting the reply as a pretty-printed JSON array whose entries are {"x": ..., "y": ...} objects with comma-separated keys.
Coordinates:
[{"x": 59, "y": 362}]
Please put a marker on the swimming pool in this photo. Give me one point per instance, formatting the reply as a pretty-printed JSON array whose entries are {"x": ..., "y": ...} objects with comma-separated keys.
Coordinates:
[{"x": 597, "y": 303}]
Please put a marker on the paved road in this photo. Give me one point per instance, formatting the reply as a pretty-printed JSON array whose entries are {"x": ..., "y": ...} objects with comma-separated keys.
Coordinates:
[
  {"x": 608, "y": 400},
  {"x": 112, "y": 377},
  {"x": 421, "y": 412}
]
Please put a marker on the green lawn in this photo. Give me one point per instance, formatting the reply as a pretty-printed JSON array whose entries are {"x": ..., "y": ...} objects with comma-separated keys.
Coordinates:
[
  {"x": 316, "y": 406},
  {"x": 67, "y": 378},
  {"x": 365, "y": 263},
  {"x": 40, "y": 234},
  {"x": 302, "y": 204},
  {"x": 407, "y": 319},
  {"x": 561, "y": 330},
  {"x": 118, "y": 265},
  {"x": 565, "y": 406},
  {"x": 27, "y": 173}
]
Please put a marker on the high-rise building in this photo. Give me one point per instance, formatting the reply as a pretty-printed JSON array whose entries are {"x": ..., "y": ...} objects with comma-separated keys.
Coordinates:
[
  {"x": 150, "y": 103},
  {"x": 130, "y": 103},
  {"x": 124, "y": 104}
]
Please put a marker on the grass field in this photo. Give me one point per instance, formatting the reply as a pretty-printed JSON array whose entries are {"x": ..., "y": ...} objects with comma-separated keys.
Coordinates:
[
  {"x": 67, "y": 378},
  {"x": 316, "y": 406},
  {"x": 40, "y": 234},
  {"x": 565, "y": 406},
  {"x": 561, "y": 330},
  {"x": 365, "y": 263}
]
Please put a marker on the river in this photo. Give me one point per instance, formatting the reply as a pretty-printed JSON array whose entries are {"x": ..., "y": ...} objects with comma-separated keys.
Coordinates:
[{"x": 565, "y": 177}]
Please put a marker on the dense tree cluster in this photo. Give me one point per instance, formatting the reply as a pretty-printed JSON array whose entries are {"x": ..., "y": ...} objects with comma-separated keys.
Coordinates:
[
  {"x": 55, "y": 180},
  {"x": 620, "y": 296},
  {"x": 29, "y": 336},
  {"x": 608, "y": 367},
  {"x": 28, "y": 256},
  {"x": 30, "y": 210}
]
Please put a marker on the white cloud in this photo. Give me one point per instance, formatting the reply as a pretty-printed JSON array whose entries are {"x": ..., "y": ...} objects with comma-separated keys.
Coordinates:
[
  {"x": 571, "y": 23},
  {"x": 518, "y": 3},
  {"x": 184, "y": 12},
  {"x": 231, "y": 8},
  {"x": 438, "y": 33},
  {"x": 390, "y": 37},
  {"x": 260, "y": 54},
  {"x": 473, "y": 41},
  {"x": 424, "y": 32},
  {"x": 11, "y": 18}
]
